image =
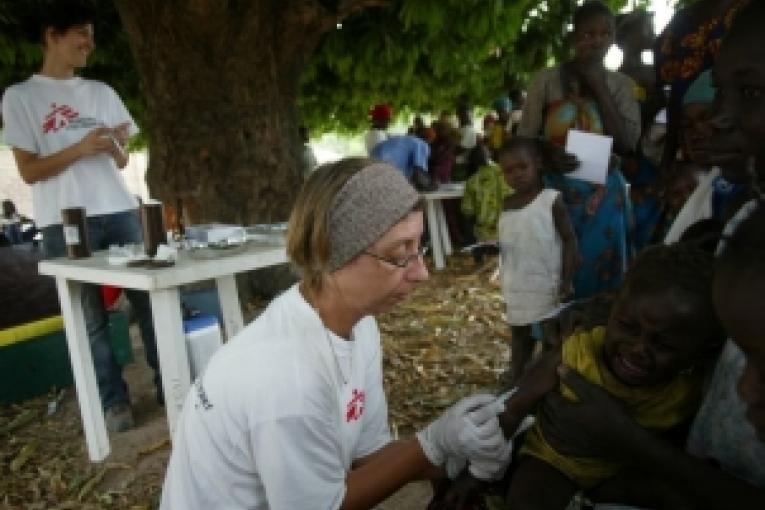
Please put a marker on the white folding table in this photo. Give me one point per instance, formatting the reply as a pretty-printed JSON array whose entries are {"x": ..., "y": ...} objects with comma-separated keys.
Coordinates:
[
  {"x": 163, "y": 286},
  {"x": 438, "y": 229}
]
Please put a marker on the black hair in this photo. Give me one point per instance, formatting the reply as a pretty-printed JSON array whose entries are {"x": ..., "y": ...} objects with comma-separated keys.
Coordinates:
[
  {"x": 590, "y": 9},
  {"x": 744, "y": 252},
  {"x": 554, "y": 159},
  {"x": 61, "y": 15},
  {"x": 682, "y": 267},
  {"x": 704, "y": 234},
  {"x": 9, "y": 208},
  {"x": 477, "y": 157}
]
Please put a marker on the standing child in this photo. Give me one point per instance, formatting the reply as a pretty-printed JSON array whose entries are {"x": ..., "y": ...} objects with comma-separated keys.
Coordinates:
[{"x": 537, "y": 241}]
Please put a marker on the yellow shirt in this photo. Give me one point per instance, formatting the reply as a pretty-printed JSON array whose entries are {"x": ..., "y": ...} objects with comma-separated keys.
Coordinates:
[{"x": 658, "y": 408}]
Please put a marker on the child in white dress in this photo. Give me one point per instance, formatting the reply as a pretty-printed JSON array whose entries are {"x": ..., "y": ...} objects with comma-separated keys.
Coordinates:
[{"x": 537, "y": 241}]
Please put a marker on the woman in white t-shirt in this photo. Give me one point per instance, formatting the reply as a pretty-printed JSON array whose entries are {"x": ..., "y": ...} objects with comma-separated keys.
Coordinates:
[
  {"x": 291, "y": 413},
  {"x": 68, "y": 135}
]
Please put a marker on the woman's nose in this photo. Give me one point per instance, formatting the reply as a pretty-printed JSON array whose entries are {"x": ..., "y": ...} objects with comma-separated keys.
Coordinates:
[{"x": 417, "y": 270}]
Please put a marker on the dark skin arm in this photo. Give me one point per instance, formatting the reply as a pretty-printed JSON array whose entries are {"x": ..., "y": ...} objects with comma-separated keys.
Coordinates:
[
  {"x": 568, "y": 241},
  {"x": 593, "y": 77},
  {"x": 580, "y": 427}
]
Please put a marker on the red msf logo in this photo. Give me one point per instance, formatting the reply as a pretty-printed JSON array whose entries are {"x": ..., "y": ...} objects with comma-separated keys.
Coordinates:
[
  {"x": 59, "y": 117},
  {"x": 355, "y": 407}
]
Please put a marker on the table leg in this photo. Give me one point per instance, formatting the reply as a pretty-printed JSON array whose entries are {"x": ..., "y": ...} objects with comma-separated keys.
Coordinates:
[
  {"x": 171, "y": 347},
  {"x": 435, "y": 238},
  {"x": 446, "y": 241},
  {"x": 70, "y": 297},
  {"x": 229, "y": 305}
]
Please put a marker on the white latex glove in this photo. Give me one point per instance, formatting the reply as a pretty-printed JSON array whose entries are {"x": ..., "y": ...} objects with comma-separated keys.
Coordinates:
[
  {"x": 468, "y": 429},
  {"x": 454, "y": 466},
  {"x": 491, "y": 469}
]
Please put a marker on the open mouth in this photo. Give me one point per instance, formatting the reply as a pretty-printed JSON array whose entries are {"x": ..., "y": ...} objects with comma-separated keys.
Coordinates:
[{"x": 629, "y": 371}]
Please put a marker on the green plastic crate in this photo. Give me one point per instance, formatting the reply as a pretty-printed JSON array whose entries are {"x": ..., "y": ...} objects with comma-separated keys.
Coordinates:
[{"x": 34, "y": 366}]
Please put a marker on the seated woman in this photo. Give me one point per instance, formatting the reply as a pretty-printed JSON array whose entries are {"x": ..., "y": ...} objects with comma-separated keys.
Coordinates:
[{"x": 291, "y": 413}]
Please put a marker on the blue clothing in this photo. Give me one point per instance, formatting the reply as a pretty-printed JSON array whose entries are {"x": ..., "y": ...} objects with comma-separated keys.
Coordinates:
[
  {"x": 13, "y": 232},
  {"x": 648, "y": 207},
  {"x": 723, "y": 194},
  {"x": 403, "y": 152},
  {"x": 116, "y": 228},
  {"x": 605, "y": 246}
]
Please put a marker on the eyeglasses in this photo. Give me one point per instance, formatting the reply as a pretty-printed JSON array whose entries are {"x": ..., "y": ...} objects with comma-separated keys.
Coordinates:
[{"x": 403, "y": 262}]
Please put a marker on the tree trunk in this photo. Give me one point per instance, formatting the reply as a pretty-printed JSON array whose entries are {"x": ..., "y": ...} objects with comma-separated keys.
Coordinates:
[{"x": 221, "y": 81}]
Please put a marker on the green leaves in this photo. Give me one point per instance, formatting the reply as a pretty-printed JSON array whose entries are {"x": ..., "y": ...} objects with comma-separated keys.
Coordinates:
[
  {"x": 421, "y": 55},
  {"x": 417, "y": 55}
]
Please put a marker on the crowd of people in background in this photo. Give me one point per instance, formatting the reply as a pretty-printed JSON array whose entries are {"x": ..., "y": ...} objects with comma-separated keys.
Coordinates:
[{"x": 678, "y": 175}]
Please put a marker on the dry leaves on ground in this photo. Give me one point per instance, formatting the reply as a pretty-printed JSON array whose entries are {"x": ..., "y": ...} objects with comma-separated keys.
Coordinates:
[{"x": 449, "y": 340}]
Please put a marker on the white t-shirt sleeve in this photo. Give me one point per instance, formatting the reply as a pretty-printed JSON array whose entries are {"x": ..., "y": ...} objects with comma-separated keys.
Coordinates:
[
  {"x": 117, "y": 113},
  {"x": 18, "y": 129},
  {"x": 375, "y": 432},
  {"x": 298, "y": 460}
]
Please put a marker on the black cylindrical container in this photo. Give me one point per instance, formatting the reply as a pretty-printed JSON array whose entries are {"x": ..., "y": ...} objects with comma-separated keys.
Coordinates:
[
  {"x": 154, "y": 232},
  {"x": 75, "y": 232}
]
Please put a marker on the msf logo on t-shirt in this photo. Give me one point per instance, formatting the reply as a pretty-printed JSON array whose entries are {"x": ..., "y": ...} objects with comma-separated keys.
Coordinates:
[
  {"x": 58, "y": 118},
  {"x": 355, "y": 407}
]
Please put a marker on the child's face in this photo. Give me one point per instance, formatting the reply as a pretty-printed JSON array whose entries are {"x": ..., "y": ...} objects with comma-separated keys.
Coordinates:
[
  {"x": 740, "y": 310},
  {"x": 681, "y": 186},
  {"x": 520, "y": 169},
  {"x": 652, "y": 336},
  {"x": 739, "y": 119}
]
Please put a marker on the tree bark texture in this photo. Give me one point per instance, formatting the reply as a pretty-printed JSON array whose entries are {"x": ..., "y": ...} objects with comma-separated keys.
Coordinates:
[{"x": 221, "y": 80}]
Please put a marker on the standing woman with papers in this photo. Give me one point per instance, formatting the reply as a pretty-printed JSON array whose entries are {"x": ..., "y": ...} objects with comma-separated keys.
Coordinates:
[{"x": 581, "y": 94}]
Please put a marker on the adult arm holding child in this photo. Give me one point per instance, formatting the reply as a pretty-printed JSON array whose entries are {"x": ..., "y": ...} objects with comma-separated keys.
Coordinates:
[{"x": 579, "y": 428}]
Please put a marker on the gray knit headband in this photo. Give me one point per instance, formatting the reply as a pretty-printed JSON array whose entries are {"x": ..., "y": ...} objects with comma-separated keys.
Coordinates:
[{"x": 371, "y": 202}]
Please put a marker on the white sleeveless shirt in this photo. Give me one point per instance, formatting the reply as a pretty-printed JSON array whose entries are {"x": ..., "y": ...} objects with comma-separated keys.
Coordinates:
[{"x": 531, "y": 260}]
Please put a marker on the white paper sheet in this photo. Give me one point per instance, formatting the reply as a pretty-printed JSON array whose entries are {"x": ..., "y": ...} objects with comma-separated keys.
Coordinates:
[{"x": 594, "y": 153}]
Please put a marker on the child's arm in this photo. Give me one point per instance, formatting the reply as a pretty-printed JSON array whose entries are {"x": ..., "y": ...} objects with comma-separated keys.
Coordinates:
[
  {"x": 568, "y": 240},
  {"x": 539, "y": 378}
]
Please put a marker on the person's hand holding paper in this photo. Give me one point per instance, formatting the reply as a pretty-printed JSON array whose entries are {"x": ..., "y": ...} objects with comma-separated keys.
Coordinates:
[{"x": 593, "y": 152}]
